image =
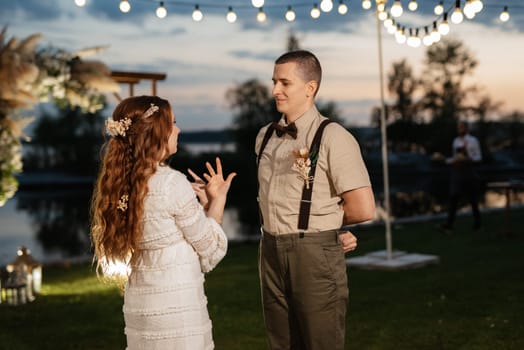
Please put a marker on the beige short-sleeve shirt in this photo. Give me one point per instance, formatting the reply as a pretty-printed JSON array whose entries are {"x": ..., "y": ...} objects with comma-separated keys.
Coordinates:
[{"x": 340, "y": 168}]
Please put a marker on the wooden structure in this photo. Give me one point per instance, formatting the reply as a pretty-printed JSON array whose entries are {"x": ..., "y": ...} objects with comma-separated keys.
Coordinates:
[{"x": 133, "y": 78}]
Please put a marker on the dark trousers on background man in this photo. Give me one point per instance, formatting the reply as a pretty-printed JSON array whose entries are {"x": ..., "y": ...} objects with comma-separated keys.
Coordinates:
[{"x": 464, "y": 184}]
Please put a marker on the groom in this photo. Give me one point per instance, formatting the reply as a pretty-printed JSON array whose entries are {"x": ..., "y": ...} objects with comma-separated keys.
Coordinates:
[{"x": 304, "y": 200}]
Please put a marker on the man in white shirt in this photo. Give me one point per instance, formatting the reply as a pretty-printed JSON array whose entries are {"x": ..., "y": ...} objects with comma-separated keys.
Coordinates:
[{"x": 464, "y": 179}]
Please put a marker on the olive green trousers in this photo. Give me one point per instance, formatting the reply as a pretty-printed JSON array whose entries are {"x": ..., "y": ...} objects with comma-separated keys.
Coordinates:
[{"x": 303, "y": 282}]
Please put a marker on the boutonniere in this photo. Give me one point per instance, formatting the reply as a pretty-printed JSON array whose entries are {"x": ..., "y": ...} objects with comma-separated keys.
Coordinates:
[{"x": 302, "y": 164}]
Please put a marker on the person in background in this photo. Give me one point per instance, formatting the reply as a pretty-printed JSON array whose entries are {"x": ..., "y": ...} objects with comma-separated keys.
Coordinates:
[
  {"x": 464, "y": 178},
  {"x": 301, "y": 261},
  {"x": 147, "y": 215}
]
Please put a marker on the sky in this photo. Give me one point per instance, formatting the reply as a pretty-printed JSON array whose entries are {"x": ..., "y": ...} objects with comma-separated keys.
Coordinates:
[{"x": 204, "y": 59}]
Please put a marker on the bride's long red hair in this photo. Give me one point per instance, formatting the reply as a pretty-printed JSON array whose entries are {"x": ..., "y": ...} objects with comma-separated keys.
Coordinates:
[{"x": 127, "y": 164}]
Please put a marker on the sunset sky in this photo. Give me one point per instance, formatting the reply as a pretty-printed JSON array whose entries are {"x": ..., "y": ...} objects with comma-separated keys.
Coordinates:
[{"x": 204, "y": 59}]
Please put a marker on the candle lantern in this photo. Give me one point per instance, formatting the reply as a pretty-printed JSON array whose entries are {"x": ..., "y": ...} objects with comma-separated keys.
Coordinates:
[{"x": 25, "y": 262}]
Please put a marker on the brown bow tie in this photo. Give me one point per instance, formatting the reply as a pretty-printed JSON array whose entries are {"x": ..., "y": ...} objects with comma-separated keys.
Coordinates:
[{"x": 291, "y": 129}]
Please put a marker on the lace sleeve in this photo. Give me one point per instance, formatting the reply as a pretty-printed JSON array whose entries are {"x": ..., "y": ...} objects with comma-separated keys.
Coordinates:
[{"x": 204, "y": 234}]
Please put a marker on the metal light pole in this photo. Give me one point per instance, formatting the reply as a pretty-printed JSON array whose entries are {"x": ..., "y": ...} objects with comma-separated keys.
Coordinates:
[
  {"x": 377, "y": 260},
  {"x": 384, "y": 138}
]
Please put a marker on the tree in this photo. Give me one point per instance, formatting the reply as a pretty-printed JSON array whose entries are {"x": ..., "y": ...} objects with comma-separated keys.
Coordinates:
[
  {"x": 254, "y": 108},
  {"x": 402, "y": 85},
  {"x": 69, "y": 141},
  {"x": 292, "y": 42},
  {"x": 447, "y": 64}
]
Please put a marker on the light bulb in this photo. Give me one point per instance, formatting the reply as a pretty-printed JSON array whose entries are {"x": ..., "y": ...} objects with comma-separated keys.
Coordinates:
[
  {"x": 261, "y": 15},
  {"x": 504, "y": 15},
  {"x": 326, "y": 5},
  {"x": 400, "y": 36},
  {"x": 125, "y": 6},
  {"x": 439, "y": 9},
  {"x": 457, "y": 16},
  {"x": 392, "y": 28},
  {"x": 290, "y": 14},
  {"x": 469, "y": 10},
  {"x": 396, "y": 9},
  {"x": 80, "y": 3},
  {"x": 197, "y": 14},
  {"x": 315, "y": 12},
  {"x": 161, "y": 11},
  {"x": 477, "y": 5},
  {"x": 412, "y": 5},
  {"x": 413, "y": 39},
  {"x": 382, "y": 15},
  {"x": 366, "y": 4},
  {"x": 435, "y": 34},
  {"x": 231, "y": 16},
  {"x": 381, "y": 6},
  {"x": 427, "y": 40},
  {"x": 388, "y": 22},
  {"x": 342, "y": 8},
  {"x": 257, "y": 3},
  {"x": 443, "y": 27}
]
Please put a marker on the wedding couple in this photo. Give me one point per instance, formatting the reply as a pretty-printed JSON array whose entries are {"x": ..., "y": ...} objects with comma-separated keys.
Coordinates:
[{"x": 312, "y": 181}]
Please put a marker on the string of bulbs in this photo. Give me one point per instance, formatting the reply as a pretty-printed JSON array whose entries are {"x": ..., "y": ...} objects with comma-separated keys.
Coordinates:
[{"x": 411, "y": 36}]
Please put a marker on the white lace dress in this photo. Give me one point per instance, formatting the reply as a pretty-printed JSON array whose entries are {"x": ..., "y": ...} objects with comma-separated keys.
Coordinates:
[{"x": 164, "y": 303}]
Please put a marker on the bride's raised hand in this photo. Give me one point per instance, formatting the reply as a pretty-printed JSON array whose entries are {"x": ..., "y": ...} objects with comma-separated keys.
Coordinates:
[
  {"x": 216, "y": 185},
  {"x": 199, "y": 187}
]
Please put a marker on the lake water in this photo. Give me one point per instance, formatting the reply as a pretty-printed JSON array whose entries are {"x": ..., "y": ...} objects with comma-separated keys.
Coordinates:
[{"x": 54, "y": 224}]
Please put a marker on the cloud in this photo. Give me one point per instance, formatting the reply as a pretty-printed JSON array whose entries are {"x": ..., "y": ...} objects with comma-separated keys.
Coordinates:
[{"x": 203, "y": 60}]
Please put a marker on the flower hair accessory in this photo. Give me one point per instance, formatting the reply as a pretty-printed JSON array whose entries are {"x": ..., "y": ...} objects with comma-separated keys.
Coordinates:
[
  {"x": 122, "y": 203},
  {"x": 302, "y": 165},
  {"x": 150, "y": 111},
  {"x": 118, "y": 127}
]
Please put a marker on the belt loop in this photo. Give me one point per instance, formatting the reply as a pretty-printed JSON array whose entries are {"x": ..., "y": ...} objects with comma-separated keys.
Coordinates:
[{"x": 301, "y": 235}]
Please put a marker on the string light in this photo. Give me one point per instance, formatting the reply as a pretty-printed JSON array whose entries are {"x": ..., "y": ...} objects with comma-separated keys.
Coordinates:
[
  {"x": 440, "y": 25},
  {"x": 427, "y": 40},
  {"x": 414, "y": 39},
  {"x": 388, "y": 22},
  {"x": 392, "y": 28},
  {"x": 457, "y": 16},
  {"x": 381, "y": 6},
  {"x": 161, "y": 11},
  {"x": 504, "y": 15},
  {"x": 124, "y": 6},
  {"x": 257, "y": 3},
  {"x": 469, "y": 10},
  {"x": 396, "y": 9},
  {"x": 477, "y": 5},
  {"x": 439, "y": 9},
  {"x": 366, "y": 4},
  {"x": 435, "y": 34},
  {"x": 290, "y": 14},
  {"x": 326, "y": 5},
  {"x": 197, "y": 14},
  {"x": 80, "y": 3},
  {"x": 382, "y": 15},
  {"x": 400, "y": 35},
  {"x": 315, "y": 12},
  {"x": 413, "y": 5},
  {"x": 231, "y": 16},
  {"x": 261, "y": 15},
  {"x": 342, "y": 8},
  {"x": 443, "y": 27}
]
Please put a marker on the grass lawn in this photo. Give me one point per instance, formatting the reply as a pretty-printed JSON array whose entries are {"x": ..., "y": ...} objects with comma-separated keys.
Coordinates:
[{"x": 473, "y": 299}]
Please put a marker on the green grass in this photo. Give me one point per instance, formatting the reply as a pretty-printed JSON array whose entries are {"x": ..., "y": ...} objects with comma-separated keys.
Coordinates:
[{"x": 473, "y": 299}]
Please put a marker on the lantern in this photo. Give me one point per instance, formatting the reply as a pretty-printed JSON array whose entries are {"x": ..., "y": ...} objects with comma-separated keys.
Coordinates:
[{"x": 25, "y": 262}]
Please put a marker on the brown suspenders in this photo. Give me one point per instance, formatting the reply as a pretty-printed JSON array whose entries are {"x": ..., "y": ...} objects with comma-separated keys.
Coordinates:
[{"x": 307, "y": 191}]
